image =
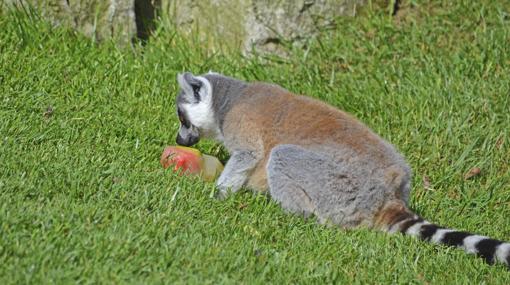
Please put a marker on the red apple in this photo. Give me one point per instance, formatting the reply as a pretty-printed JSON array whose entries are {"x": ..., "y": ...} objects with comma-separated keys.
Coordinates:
[{"x": 189, "y": 160}]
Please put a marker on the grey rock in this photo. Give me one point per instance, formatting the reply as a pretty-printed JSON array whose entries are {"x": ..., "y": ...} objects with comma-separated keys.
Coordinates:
[
  {"x": 260, "y": 25},
  {"x": 98, "y": 19}
]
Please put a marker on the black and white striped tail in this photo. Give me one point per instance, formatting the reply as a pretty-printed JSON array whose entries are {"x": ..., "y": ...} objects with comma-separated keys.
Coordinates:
[{"x": 490, "y": 250}]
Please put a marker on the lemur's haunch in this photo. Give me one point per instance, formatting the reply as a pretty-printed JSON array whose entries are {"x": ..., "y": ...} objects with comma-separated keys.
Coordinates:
[{"x": 312, "y": 158}]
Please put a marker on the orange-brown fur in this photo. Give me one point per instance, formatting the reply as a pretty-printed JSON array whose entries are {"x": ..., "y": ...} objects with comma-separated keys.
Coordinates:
[
  {"x": 299, "y": 120},
  {"x": 392, "y": 213}
]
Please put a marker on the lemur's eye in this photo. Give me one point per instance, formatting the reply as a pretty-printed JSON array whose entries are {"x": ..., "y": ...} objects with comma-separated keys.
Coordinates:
[{"x": 196, "y": 90}]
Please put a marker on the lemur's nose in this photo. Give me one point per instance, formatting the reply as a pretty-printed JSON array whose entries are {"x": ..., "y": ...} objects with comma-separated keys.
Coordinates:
[{"x": 189, "y": 141}]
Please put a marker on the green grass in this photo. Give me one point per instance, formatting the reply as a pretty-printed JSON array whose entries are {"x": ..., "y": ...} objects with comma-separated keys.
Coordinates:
[{"x": 84, "y": 199}]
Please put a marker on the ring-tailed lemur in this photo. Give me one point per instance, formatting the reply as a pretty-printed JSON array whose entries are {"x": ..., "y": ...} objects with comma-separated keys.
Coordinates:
[{"x": 312, "y": 158}]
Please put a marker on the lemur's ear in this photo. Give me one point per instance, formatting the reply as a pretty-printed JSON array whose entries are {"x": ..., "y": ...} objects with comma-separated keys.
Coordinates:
[{"x": 191, "y": 86}]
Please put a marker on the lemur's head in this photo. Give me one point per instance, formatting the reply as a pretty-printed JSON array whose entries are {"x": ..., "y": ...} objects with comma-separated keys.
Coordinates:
[
  {"x": 195, "y": 110},
  {"x": 202, "y": 105}
]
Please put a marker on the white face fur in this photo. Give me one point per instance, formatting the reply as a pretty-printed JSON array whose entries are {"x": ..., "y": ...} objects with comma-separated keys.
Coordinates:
[{"x": 199, "y": 113}]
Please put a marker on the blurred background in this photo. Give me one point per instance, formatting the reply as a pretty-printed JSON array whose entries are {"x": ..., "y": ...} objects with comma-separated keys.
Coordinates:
[{"x": 263, "y": 25}]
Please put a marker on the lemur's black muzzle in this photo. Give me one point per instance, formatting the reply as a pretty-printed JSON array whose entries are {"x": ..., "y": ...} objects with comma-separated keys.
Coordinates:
[{"x": 188, "y": 141}]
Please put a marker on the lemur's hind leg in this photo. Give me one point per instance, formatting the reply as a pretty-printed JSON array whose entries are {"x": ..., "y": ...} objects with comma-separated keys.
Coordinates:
[
  {"x": 289, "y": 176},
  {"x": 310, "y": 182}
]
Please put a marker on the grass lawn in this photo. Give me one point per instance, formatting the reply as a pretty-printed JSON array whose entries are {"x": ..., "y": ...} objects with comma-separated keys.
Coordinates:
[{"x": 84, "y": 199}]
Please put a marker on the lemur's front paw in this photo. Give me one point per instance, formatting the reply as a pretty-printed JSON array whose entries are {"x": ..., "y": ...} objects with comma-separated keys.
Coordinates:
[
  {"x": 231, "y": 179},
  {"x": 222, "y": 194},
  {"x": 224, "y": 190}
]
